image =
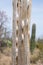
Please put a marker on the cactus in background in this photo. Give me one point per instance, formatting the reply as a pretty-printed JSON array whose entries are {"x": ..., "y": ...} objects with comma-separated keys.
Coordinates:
[{"x": 32, "y": 41}]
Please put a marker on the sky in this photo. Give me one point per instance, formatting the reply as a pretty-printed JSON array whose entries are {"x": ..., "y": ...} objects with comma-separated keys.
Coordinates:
[
  {"x": 37, "y": 17},
  {"x": 36, "y": 14},
  {"x": 6, "y": 5}
]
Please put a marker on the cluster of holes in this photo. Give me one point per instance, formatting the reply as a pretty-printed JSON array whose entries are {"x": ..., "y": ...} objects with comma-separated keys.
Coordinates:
[
  {"x": 17, "y": 33},
  {"x": 26, "y": 29},
  {"x": 22, "y": 41},
  {"x": 22, "y": 31},
  {"x": 17, "y": 42},
  {"x": 19, "y": 5}
]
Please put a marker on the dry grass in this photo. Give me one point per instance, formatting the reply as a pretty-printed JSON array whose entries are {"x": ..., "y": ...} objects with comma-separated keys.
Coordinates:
[{"x": 5, "y": 57}]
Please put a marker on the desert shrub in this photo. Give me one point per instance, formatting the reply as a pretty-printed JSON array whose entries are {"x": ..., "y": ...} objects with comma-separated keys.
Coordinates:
[
  {"x": 3, "y": 44},
  {"x": 35, "y": 56},
  {"x": 9, "y": 43},
  {"x": 40, "y": 46}
]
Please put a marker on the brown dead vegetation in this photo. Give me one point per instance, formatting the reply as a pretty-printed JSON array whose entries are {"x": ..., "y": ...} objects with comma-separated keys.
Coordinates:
[{"x": 5, "y": 57}]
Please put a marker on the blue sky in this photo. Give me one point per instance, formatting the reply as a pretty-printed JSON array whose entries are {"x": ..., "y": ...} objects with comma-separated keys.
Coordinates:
[
  {"x": 36, "y": 14},
  {"x": 6, "y": 5}
]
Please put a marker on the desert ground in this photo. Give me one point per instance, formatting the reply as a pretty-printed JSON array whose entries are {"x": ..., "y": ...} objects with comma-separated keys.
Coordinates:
[{"x": 5, "y": 57}]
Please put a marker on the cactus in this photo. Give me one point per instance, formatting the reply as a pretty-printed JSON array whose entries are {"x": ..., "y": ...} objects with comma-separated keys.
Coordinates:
[
  {"x": 21, "y": 21},
  {"x": 32, "y": 41}
]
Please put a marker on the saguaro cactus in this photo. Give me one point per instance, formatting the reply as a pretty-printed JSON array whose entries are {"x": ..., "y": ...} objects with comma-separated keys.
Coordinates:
[
  {"x": 21, "y": 21},
  {"x": 32, "y": 41}
]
